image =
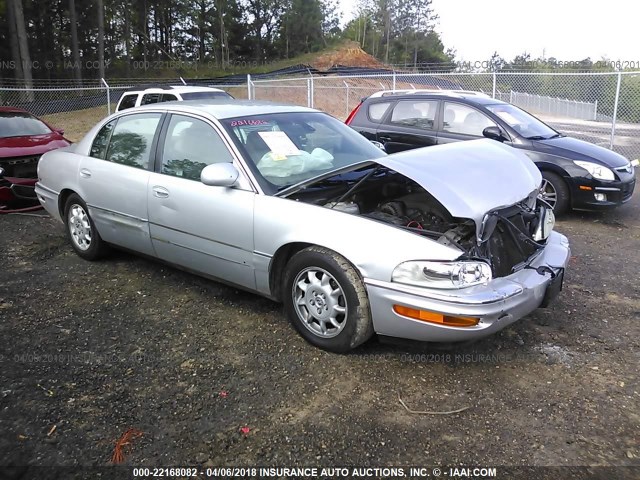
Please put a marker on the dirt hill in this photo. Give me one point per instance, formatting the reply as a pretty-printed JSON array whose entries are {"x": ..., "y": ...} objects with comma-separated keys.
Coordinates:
[{"x": 348, "y": 54}]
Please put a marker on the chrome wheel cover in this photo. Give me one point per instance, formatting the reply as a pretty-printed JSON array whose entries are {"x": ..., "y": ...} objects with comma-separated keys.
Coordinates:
[
  {"x": 79, "y": 227},
  {"x": 548, "y": 193},
  {"x": 320, "y": 302}
]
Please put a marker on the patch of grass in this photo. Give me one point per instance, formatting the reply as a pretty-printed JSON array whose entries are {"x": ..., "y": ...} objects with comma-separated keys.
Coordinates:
[{"x": 77, "y": 123}]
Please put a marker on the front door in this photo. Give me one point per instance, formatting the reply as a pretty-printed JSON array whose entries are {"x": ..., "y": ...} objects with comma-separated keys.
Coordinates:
[
  {"x": 205, "y": 229},
  {"x": 462, "y": 122}
]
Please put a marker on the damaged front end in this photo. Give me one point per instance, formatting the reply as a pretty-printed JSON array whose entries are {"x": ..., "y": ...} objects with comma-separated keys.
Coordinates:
[
  {"x": 18, "y": 177},
  {"x": 506, "y": 239}
]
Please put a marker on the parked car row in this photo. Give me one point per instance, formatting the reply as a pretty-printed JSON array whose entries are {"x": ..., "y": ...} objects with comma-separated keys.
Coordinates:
[
  {"x": 577, "y": 174},
  {"x": 448, "y": 243}
]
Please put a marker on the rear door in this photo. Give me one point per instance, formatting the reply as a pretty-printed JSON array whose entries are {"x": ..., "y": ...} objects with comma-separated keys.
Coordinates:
[
  {"x": 369, "y": 116},
  {"x": 409, "y": 124},
  {"x": 113, "y": 179},
  {"x": 462, "y": 122}
]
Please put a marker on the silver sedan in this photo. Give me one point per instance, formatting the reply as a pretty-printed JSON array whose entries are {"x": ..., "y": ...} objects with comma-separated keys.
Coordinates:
[{"x": 441, "y": 244}]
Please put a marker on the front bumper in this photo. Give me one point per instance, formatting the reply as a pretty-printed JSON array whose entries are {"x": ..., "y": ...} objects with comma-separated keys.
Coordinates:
[
  {"x": 13, "y": 189},
  {"x": 617, "y": 192},
  {"x": 498, "y": 304}
]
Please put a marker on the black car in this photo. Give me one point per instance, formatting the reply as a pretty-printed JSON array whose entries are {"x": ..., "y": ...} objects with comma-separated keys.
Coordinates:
[{"x": 576, "y": 174}]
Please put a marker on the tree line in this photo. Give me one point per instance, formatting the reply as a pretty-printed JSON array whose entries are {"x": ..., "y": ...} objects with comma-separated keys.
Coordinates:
[{"x": 51, "y": 39}]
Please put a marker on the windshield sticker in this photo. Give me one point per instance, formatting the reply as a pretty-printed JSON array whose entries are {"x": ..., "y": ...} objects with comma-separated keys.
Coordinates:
[
  {"x": 279, "y": 143},
  {"x": 248, "y": 122},
  {"x": 507, "y": 117}
]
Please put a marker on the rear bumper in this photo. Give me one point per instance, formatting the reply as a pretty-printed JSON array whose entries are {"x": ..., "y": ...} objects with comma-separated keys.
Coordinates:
[
  {"x": 497, "y": 304},
  {"x": 49, "y": 200}
]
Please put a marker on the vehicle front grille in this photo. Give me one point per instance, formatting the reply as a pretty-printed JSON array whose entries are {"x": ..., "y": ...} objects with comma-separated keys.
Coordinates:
[
  {"x": 25, "y": 167},
  {"x": 506, "y": 248}
]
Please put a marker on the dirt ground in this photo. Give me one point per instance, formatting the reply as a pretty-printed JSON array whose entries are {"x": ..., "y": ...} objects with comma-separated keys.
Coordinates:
[{"x": 215, "y": 376}]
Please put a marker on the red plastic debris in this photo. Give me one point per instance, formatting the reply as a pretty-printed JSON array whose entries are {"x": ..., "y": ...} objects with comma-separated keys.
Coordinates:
[{"x": 245, "y": 430}]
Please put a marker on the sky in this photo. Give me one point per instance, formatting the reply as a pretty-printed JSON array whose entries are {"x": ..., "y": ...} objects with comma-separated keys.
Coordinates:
[{"x": 569, "y": 30}]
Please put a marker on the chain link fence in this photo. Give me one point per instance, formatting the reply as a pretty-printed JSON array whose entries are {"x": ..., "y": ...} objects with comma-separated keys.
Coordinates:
[
  {"x": 65, "y": 106},
  {"x": 599, "y": 107}
]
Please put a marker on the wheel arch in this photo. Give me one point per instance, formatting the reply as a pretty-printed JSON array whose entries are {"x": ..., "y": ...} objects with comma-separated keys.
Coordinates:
[
  {"x": 284, "y": 254},
  {"x": 63, "y": 196}
]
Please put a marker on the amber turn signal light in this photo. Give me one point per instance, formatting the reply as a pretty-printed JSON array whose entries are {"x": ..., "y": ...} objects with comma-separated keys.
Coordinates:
[{"x": 433, "y": 317}]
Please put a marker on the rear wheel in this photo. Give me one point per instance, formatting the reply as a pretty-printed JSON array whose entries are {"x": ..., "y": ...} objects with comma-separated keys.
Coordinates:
[
  {"x": 555, "y": 192},
  {"x": 81, "y": 231},
  {"x": 325, "y": 300}
]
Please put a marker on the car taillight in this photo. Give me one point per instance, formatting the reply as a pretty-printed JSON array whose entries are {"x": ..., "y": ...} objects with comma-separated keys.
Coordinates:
[{"x": 353, "y": 114}]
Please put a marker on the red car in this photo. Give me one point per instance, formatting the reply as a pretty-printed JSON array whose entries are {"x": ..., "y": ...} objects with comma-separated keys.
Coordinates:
[{"x": 23, "y": 139}]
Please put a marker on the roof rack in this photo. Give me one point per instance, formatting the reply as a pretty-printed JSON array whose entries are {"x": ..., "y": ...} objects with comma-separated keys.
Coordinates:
[
  {"x": 418, "y": 91},
  {"x": 151, "y": 85}
]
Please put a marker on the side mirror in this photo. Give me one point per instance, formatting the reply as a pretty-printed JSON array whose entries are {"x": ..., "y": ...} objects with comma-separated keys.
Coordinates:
[
  {"x": 379, "y": 145},
  {"x": 59, "y": 130},
  {"x": 219, "y": 175},
  {"x": 494, "y": 133}
]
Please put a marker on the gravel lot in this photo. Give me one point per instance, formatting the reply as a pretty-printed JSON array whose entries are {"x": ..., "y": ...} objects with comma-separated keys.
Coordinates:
[{"x": 215, "y": 376}]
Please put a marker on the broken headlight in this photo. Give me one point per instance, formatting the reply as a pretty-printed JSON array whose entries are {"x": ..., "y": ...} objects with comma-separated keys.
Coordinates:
[
  {"x": 546, "y": 222},
  {"x": 446, "y": 275}
]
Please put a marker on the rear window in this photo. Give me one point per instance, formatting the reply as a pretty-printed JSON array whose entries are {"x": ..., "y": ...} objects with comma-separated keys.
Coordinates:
[
  {"x": 128, "y": 101},
  {"x": 21, "y": 124},
  {"x": 204, "y": 95}
]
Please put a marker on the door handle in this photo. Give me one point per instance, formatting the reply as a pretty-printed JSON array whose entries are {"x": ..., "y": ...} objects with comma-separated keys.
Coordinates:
[
  {"x": 160, "y": 192},
  {"x": 84, "y": 173}
]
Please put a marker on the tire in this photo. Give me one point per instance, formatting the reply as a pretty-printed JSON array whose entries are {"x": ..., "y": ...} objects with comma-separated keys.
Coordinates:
[
  {"x": 81, "y": 231},
  {"x": 555, "y": 191},
  {"x": 326, "y": 290}
]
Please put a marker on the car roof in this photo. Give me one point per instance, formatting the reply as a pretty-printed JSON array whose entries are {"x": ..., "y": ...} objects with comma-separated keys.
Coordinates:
[
  {"x": 479, "y": 98},
  {"x": 225, "y": 108},
  {"x": 174, "y": 88}
]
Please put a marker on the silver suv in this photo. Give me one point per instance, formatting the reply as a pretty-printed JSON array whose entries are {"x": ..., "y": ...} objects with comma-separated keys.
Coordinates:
[{"x": 167, "y": 93}]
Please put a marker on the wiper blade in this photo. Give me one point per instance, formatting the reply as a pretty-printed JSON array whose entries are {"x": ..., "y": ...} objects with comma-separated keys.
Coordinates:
[
  {"x": 554, "y": 136},
  {"x": 536, "y": 137}
]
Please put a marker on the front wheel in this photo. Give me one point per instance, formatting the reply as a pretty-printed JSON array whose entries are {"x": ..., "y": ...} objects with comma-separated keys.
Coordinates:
[
  {"x": 81, "y": 231},
  {"x": 325, "y": 300},
  {"x": 555, "y": 192}
]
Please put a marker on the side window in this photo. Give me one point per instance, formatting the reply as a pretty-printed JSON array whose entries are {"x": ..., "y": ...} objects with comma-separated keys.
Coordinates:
[
  {"x": 128, "y": 101},
  {"x": 191, "y": 145},
  {"x": 459, "y": 118},
  {"x": 99, "y": 145},
  {"x": 418, "y": 114},
  {"x": 168, "y": 97},
  {"x": 377, "y": 111},
  {"x": 148, "y": 98},
  {"x": 132, "y": 138}
]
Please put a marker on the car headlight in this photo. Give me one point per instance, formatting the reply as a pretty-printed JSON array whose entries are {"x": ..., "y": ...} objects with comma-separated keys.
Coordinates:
[
  {"x": 596, "y": 171},
  {"x": 446, "y": 275}
]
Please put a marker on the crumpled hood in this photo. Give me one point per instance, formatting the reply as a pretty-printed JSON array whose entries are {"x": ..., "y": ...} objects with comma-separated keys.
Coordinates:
[{"x": 469, "y": 178}]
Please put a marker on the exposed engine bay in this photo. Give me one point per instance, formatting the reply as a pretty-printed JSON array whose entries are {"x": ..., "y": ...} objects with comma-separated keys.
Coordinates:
[{"x": 507, "y": 240}]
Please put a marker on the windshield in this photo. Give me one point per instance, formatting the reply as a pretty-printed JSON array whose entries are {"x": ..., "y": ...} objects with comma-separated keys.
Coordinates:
[
  {"x": 21, "y": 124},
  {"x": 204, "y": 95},
  {"x": 284, "y": 149},
  {"x": 525, "y": 124}
]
